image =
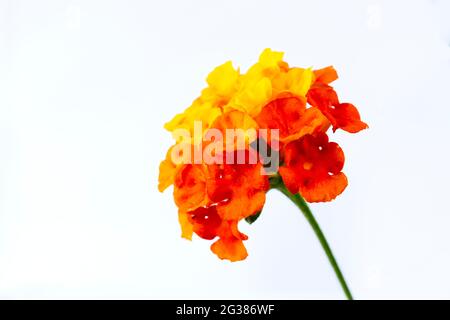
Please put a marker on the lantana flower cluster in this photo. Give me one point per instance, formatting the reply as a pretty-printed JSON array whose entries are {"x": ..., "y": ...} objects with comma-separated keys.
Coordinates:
[{"x": 212, "y": 198}]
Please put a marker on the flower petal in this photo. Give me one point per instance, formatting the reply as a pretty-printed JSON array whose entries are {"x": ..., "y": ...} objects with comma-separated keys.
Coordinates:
[
  {"x": 326, "y": 75},
  {"x": 230, "y": 249},
  {"x": 239, "y": 190},
  {"x": 253, "y": 95},
  {"x": 223, "y": 79},
  {"x": 190, "y": 187},
  {"x": 167, "y": 171},
  {"x": 343, "y": 116},
  {"x": 240, "y": 123},
  {"x": 290, "y": 116},
  {"x": 347, "y": 118},
  {"x": 186, "y": 226},
  {"x": 205, "y": 222}
]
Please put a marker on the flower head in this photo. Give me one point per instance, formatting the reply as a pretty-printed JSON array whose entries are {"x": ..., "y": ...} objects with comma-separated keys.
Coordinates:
[{"x": 285, "y": 111}]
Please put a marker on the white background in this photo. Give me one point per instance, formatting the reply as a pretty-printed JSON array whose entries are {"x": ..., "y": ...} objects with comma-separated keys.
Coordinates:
[{"x": 86, "y": 86}]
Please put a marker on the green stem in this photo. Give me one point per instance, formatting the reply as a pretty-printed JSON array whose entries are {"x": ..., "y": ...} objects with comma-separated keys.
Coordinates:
[{"x": 303, "y": 206}]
